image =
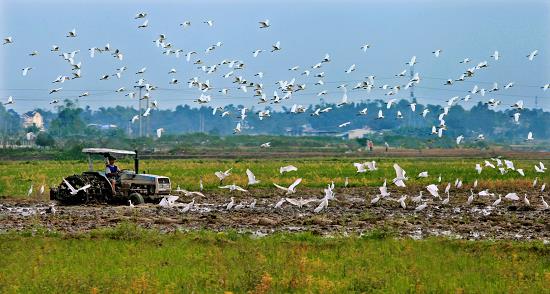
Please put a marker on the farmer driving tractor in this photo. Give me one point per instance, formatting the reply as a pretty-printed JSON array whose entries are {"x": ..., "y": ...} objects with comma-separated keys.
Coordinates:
[
  {"x": 111, "y": 184},
  {"x": 111, "y": 171}
]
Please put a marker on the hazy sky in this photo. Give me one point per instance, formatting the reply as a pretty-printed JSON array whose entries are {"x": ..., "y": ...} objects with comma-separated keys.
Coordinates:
[{"x": 307, "y": 30}]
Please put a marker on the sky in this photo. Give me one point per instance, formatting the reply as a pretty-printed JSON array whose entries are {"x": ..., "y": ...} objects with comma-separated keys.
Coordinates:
[{"x": 307, "y": 30}]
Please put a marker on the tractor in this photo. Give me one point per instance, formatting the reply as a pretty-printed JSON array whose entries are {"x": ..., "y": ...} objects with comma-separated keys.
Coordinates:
[{"x": 95, "y": 186}]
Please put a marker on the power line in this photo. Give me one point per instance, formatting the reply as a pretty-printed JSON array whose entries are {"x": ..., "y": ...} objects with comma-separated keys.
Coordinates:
[
  {"x": 230, "y": 86},
  {"x": 96, "y": 93},
  {"x": 118, "y": 98}
]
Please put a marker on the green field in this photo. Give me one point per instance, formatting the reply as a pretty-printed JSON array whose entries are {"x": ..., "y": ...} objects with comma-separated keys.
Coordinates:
[
  {"x": 128, "y": 259},
  {"x": 16, "y": 176}
]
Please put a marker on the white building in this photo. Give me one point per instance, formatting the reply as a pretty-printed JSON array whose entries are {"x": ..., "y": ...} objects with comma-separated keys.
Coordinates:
[
  {"x": 33, "y": 118},
  {"x": 359, "y": 133}
]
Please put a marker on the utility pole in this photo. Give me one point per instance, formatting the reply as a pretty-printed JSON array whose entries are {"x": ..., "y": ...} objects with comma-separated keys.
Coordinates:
[
  {"x": 5, "y": 133},
  {"x": 411, "y": 119},
  {"x": 201, "y": 122},
  {"x": 139, "y": 110},
  {"x": 411, "y": 88},
  {"x": 148, "y": 122},
  {"x": 536, "y": 101}
]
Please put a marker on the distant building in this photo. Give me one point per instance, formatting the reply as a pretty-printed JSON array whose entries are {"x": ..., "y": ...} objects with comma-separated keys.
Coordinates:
[
  {"x": 295, "y": 130},
  {"x": 102, "y": 127},
  {"x": 359, "y": 133},
  {"x": 307, "y": 130},
  {"x": 33, "y": 118},
  {"x": 30, "y": 136}
]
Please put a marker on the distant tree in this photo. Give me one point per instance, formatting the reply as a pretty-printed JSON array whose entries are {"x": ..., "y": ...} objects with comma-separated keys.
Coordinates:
[
  {"x": 469, "y": 120},
  {"x": 33, "y": 129},
  {"x": 44, "y": 139},
  {"x": 10, "y": 122},
  {"x": 68, "y": 121}
]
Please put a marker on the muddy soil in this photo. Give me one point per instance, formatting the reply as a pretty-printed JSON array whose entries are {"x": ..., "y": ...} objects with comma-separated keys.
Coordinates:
[{"x": 351, "y": 213}]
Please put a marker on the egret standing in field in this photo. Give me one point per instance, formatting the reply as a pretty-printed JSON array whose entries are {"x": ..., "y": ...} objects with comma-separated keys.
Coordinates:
[
  {"x": 526, "y": 201},
  {"x": 421, "y": 206},
  {"x": 402, "y": 201},
  {"x": 418, "y": 198},
  {"x": 497, "y": 202},
  {"x": 322, "y": 205},
  {"x": 471, "y": 197},
  {"x": 446, "y": 200},
  {"x": 252, "y": 204},
  {"x": 280, "y": 203},
  {"x": 29, "y": 192},
  {"x": 231, "y": 203},
  {"x": 375, "y": 199},
  {"x": 544, "y": 204},
  {"x": 188, "y": 206}
]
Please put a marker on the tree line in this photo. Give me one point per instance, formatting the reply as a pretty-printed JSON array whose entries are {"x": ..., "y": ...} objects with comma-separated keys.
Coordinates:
[{"x": 68, "y": 121}]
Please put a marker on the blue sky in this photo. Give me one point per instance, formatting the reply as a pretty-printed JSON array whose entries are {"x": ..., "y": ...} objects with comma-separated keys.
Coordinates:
[{"x": 307, "y": 30}]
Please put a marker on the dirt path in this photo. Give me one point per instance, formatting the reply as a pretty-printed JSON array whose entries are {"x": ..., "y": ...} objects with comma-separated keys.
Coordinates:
[{"x": 351, "y": 213}]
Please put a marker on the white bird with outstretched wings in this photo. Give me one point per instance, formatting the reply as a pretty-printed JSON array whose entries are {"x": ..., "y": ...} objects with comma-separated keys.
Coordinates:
[
  {"x": 433, "y": 190},
  {"x": 400, "y": 176},
  {"x": 288, "y": 168},
  {"x": 74, "y": 191},
  {"x": 168, "y": 201},
  {"x": 232, "y": 188},
  {"x": 292, "y": 188},
  {"x": 300, "y": 202},
  {"x": 251, "y": 178}
]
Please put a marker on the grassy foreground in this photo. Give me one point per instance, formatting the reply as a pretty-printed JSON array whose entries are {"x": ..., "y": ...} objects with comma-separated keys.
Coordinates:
[
  {"x": 16, "y": 176},
  {"x": 128, "y": 259}
]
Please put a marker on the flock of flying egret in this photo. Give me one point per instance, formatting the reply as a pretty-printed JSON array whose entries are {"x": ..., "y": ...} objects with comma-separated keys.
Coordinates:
[{"x": 286, "y": 88}]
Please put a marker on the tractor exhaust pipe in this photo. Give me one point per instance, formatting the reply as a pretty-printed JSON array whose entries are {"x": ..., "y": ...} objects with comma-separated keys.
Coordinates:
[{"x": 136, "y": 162}]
